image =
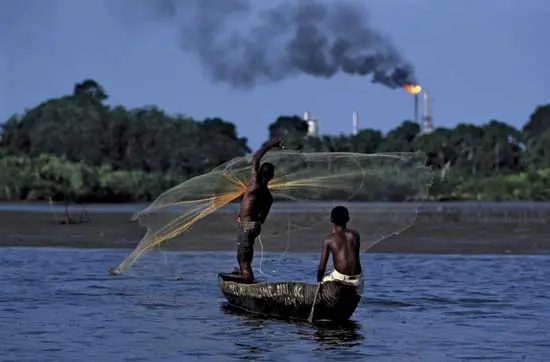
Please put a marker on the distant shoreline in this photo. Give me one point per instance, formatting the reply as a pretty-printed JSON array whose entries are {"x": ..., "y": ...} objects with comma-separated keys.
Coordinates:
[
  {"x": 475, "y": 231},
  {"x": 428, "y": 205}
]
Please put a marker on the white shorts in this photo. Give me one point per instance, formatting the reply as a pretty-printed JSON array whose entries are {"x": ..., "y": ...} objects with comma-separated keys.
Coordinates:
[{"x": 356, "y": 280}]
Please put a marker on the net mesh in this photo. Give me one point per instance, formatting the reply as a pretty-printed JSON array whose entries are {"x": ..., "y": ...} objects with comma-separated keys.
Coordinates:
[{"x": 305, "y": 188}]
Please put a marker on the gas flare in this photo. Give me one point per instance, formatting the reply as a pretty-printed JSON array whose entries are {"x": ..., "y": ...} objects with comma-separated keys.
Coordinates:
[{"x": 412, "y": 88}]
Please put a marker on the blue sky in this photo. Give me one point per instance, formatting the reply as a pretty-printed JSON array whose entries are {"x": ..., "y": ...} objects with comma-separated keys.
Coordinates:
[{"x": 478, "y": 59}]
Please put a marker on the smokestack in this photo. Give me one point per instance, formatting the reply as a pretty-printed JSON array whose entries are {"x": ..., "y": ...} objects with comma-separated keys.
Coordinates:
[
  {"x": 355, "y": 123},
  {"x": 312, "y": 130},
  {"x": 425, "y": 105},
  {"x": 415, "y": 115},
  {"x": 427, "y": 124}
]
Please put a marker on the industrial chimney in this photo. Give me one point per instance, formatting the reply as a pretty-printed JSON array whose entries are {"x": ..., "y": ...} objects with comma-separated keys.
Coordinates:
[
  {"x": 355, "y": 123},
  {"x": 427, "y": 124},
  {"x": 312, "y": 130}
]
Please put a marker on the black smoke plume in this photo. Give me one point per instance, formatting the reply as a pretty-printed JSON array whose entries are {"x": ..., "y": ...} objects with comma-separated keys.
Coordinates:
[{"x": 297, "y": 37}]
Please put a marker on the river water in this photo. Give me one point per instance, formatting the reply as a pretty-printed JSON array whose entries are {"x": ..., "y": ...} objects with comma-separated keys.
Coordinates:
[{"x": 61, "y": 305}]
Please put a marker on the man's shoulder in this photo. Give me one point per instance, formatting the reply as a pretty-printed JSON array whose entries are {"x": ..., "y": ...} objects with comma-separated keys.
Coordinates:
[{"x": 354, "y": 232}]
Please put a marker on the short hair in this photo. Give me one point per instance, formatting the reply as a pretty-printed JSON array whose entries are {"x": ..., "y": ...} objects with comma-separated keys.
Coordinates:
[
  {"x": 267, "y": 167},
  {"x": 339, "y": 216}
]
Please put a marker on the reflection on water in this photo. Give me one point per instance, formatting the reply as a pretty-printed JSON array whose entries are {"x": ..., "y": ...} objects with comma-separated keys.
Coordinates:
[
  {"x": 329, "y": 335},
  {"x": 346, "y": 334},
  {"x": 251, "y": 330}
]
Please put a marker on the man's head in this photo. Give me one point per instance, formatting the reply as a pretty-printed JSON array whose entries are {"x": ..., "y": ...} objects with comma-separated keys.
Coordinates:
[
  {"x": 266, "y": 172},
  {"x": 339, "y": 216}
]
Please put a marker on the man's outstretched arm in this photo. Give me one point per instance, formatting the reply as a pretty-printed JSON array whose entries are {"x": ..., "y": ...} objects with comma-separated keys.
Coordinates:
[
  {"x": 256, "y": 158},
  {"x": 323, "y": 262}
]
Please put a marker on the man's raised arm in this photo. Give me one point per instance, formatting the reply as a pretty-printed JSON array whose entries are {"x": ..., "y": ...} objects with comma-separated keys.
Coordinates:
[{"x": 256, "y": 158}]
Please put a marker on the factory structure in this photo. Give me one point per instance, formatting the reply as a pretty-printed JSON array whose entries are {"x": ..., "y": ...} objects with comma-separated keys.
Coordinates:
[{"x": 426, "y": 124}]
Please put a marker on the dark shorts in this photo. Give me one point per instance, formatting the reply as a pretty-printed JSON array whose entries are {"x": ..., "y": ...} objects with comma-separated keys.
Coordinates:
[{"x": 248, "y": 232}]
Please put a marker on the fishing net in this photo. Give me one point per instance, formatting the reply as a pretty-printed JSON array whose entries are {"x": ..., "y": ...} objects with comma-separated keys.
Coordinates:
[{"x": 306, "y": 186}]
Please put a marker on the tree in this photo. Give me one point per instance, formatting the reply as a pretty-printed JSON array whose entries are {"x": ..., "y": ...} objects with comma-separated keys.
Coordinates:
[
  {"x": 366, "y": 141},
  {"x": 76, "y": 147},
  {"x": 220, "y": 141},
  {"x": 466, "y": 140},
  {"x": 292, "y": 128},
  {"x": 437, "y": 147},
  {"x": 89, "y": 88},
  {"x": 537, "y": 153},
  {"x": 401, "y": 139},
  {"x": 501, "y": 148},
  {"x": 539, "y": 122}
]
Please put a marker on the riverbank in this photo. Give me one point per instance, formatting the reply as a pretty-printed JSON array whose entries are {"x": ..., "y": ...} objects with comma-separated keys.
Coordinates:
[{"x": 436, "y": 230}]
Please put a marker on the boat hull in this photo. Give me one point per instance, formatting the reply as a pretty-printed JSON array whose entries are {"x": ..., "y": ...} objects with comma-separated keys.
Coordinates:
[{"x": 335, "y": 302}]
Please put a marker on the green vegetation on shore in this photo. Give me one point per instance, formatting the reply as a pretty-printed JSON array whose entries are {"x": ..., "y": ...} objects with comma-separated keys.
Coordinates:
[{"x": 80, "y": 149}]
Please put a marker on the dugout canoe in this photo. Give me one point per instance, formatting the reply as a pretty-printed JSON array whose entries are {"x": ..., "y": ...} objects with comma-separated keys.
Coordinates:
[{"x": 335, "y": 302}]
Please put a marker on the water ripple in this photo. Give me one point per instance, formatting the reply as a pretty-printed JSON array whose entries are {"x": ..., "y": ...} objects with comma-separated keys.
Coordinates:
[{"x": 60, "y": 305}]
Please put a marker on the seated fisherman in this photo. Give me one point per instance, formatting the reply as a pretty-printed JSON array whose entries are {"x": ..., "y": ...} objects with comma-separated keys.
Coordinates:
[{"x": 345, "y": 246}]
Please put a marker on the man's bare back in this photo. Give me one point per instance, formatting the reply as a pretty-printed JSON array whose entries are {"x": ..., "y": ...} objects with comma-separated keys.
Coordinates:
[{"x": 345, "y": 246}]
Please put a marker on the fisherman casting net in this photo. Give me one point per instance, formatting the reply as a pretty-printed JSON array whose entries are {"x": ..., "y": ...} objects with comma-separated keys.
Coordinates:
[{"x": 305, "y": 188}]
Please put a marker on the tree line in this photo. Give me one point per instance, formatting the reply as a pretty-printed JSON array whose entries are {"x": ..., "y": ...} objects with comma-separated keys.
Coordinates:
[{"x": 78, "y": 148}]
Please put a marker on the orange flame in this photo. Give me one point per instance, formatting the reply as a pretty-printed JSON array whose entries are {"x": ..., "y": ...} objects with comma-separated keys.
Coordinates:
[{"x": 412, "y": 88}]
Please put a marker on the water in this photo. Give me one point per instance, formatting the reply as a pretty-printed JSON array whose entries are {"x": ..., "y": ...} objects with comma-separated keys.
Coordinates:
[{"x": 61, "y": 305}]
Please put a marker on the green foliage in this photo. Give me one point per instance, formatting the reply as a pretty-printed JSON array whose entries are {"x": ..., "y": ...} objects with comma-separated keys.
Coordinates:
[
  {"x": 78, "y": 148},
  {"x": 48, "y": 177}
]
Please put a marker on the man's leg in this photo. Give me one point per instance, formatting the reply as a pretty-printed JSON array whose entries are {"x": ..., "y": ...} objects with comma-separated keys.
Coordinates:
[
  {"x": 245, "y": 251},
  {"x": 245, "y": 254},
  {"x": 242, "y": 238},
  {"x": 245, "y": 263},
  {"x": 247, "y": 273}
]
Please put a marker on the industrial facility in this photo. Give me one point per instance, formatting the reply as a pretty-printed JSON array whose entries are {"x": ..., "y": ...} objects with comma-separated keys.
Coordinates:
[{"x": 426, "y": 125}]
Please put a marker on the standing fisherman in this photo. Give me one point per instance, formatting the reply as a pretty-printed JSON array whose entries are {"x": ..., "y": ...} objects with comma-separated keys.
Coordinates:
[{"x": 255, "y": 206}]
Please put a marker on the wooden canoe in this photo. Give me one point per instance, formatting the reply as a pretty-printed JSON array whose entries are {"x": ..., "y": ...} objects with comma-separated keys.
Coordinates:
[{"x": 335, "y": 302}]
